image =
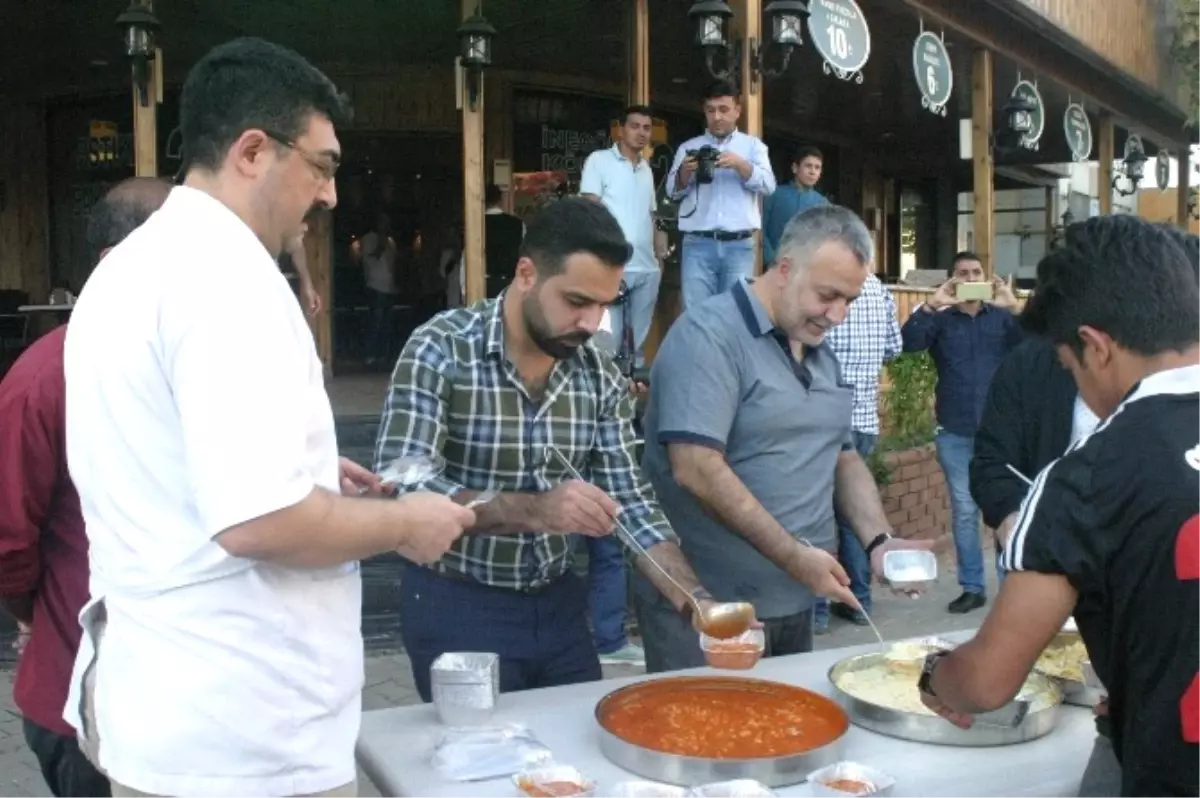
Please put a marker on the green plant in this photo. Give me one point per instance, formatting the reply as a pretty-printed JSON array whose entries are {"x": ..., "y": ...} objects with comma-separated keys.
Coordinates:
[
  {"x": 908, "y": 401},
  {"x": 1185, "y": 52}
]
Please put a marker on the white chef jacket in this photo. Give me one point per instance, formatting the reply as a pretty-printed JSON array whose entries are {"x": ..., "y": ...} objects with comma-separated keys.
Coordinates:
[{"x": 196, "y": 402}]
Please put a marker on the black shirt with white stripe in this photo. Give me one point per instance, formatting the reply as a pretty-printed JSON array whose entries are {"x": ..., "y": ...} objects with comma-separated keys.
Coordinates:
[{"x": 1118, "y": 516}]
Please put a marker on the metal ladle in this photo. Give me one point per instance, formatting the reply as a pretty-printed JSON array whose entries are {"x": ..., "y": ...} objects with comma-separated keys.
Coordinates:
[
  {"x": 722, "y": 620},
  {"x": 859, "y": 607}
]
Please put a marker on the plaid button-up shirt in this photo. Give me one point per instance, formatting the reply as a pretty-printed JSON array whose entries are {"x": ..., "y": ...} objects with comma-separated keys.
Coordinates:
[
  {"x": 455, "y": 392},
  {"x": 869, "y": 336}
]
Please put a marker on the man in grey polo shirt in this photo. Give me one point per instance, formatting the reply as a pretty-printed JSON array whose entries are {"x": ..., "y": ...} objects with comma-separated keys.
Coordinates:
[{"x": 748, "y": 442}]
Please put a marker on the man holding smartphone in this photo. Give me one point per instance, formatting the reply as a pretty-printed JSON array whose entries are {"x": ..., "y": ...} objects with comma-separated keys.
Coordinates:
[{"x": 968, "y": 330}]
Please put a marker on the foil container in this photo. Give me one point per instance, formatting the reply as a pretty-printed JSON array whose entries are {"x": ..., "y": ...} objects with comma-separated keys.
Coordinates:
[
  {"x": 880, "y": 783},
  {"x": 465, "y": 687},
  {"x": 527, "y": 780},
  {"x": 738, "y": 788},
  {"x": 647, "y": 789},
  {"x": 902, "y": 566}
]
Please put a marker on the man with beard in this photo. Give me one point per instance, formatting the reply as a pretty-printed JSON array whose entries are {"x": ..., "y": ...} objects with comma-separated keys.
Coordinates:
[
  {"x": 500, "y": 390},
  {"x": 221, "y": 650},
  {"x": 1110, "y": 531},
  {"x": 748, "y": 442}
]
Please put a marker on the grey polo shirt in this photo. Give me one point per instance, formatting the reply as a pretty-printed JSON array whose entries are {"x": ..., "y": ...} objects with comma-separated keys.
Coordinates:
[{"x": 725, "y": 378}]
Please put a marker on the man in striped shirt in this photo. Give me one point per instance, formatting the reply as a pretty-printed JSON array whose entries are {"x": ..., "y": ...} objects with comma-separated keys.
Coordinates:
[{"x": 868, "y": 338}]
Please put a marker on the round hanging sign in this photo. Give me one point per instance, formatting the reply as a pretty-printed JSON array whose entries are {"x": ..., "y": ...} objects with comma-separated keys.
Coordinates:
[
  {"x": 840, "y": 34},
  {"x": 1078, "y": 129},
  {"x": 931, "y": 67},
  {"x": 1037, "y": 117},
  {"x": 1162, "y": 169}
]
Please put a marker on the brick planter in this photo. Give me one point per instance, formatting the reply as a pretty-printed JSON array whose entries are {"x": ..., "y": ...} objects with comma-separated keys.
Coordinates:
[{"x": 915, "y": 497}]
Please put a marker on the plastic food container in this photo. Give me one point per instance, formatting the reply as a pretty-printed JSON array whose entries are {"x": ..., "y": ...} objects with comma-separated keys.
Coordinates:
[
  {"x": 647, "y": 789},
  {"x": 909, "y": 565},
  {"x": 558, "y": 781},
  {"x": 850, "y": 778},
  {"x": 738, "y": 788},
  {"x": 465, "y": 687},
  {"x": 735, "y": 653}
]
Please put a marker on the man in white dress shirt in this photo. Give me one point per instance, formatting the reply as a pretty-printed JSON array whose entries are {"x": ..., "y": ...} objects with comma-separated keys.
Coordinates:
[
  {"x": 718, "y": 198},
  {"x": 222, "y": 652}
]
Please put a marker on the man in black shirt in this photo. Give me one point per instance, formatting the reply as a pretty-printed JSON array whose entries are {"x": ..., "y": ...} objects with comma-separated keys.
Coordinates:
[{"x": 1110, "y": 531}]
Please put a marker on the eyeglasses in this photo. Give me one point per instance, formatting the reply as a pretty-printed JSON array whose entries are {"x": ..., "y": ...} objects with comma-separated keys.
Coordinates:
[{"x": 326, "y": 166}]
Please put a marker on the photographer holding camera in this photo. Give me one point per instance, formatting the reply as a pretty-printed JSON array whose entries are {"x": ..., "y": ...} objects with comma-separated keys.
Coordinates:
[{"x": 717, "y": 179}]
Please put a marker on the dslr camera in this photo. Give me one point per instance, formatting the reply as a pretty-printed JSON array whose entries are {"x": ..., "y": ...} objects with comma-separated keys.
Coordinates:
[{"x": 706, "y": 162}]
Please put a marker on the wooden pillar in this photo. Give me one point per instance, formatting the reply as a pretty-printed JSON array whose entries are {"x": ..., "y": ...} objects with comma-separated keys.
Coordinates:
[
  {"x": 749, "y": 15},
  {"x": 1183, "y": 190},
  {"x": 473, "y": 226},
  {"x": 981, "y": 155},
  {"x": 318, "y": 253},
  {"x": 145, "y": 117},
  {"x": 638, "y": 57},
  {"x": 1105, "y": 144}
]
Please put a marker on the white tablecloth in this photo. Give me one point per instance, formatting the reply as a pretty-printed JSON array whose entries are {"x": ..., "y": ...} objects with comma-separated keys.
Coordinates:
[{"x": 394, "y": 744}]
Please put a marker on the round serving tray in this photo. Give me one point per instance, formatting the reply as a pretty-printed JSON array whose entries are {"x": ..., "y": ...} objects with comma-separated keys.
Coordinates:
[
  {"x": 1076, "y": 693},
  {"x": 936, "y": 730},
  {"x": 689, "y": 771}
]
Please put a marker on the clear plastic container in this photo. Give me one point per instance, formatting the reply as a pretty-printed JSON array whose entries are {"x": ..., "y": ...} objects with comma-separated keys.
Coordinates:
[
  {"x": 554, "y": 781},
  {"x": 735, "y": 653},
  {"x": 850, "y": 778}
]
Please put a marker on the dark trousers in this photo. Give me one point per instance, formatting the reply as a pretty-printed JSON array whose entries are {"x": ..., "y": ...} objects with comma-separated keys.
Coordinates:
[
  {"x": 671, "y": 644},
  {"x": 607, "y": 594},
  {"x": 64, "y": 767},
  {"x": 851, "y": 553},
  {"x": 542, "y": 638}
]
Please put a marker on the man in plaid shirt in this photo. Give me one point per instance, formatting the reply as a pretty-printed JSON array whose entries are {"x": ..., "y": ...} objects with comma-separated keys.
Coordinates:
[
  {"x": 499, "y": 389},
  {"x": 868, "y": 338}
]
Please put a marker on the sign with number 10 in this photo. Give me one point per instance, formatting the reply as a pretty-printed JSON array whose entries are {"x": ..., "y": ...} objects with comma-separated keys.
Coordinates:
[{"x": 840, "y": 34}]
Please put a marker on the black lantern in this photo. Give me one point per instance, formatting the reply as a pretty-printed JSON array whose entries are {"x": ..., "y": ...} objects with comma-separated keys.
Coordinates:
[
  {"x": 1018, "y": 113},
  {"x": 475, "y": 37},
  {"x": 140, "y": 26},
  {"x": 475, "y": 41},
  {"x": 709, "y": 17},
  {"x": 787, "y": 33},
  {"x": 1133, "y": 166},
  {"x": 1068, "y": 218},
  {"x": 787, "y": 22}
]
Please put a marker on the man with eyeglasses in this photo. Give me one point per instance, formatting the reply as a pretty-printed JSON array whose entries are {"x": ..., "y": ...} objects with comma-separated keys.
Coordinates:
[{"x": 221, "y": 651}]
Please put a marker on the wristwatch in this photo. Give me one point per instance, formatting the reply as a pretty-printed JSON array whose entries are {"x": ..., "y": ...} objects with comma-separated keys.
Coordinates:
[
  {"x": 876, "y": 542},
  {"x": 925, "y": 682},
  {"x": 689, "y": 609}
]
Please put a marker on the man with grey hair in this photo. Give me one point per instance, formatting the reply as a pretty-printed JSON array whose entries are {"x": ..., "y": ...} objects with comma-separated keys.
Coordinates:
[{"x": 749, "y": 446}]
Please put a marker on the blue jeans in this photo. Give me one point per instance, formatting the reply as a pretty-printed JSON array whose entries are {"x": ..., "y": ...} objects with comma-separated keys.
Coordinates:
[
  {"x": 607, "y": 596},
  {"x": 711, "y": 267},
  {"x": 851, "y": 553},
  {"x": 641, "y": 296},
  {"x": 954, "y": 454}
]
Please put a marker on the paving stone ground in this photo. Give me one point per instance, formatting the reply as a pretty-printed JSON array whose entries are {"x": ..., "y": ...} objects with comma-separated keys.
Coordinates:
[{"x": 389, "y": 679}]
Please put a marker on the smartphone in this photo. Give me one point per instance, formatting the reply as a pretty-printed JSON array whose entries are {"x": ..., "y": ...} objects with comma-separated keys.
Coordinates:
[{"x": 973, "y": 292}]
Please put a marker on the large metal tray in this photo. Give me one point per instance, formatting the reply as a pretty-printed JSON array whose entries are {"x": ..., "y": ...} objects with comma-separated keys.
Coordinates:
[
  {"x": 690, "y": 771},
  {"x": 933, "y": 729},
  {"x": 1076, "y": 693}
]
